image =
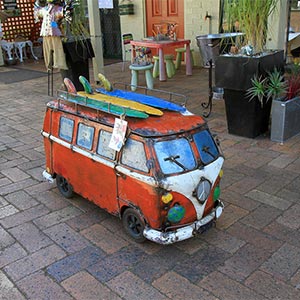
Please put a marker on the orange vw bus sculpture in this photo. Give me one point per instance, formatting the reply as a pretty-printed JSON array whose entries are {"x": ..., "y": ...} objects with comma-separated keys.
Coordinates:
[{"x": 159, "y": 173}]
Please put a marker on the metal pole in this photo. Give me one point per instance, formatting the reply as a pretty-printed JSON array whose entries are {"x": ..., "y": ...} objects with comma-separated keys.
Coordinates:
[
  {"x": 50, "y": 74},
  {"x": 210, "y": 93}
]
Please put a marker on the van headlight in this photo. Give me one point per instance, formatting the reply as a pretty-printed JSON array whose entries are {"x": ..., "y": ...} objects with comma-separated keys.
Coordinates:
[{"x": 202, "y": 190}]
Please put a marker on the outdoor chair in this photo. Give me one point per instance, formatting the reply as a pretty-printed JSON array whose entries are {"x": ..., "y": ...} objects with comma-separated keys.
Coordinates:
[{"x": 126, "y": 47}]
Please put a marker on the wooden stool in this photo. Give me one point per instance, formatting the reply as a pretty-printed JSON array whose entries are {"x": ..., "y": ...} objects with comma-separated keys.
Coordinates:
[
  {"x": 135, "y": 75},
  {"x": 170, "y": 66},
  {"x": 179, "y": 57}
]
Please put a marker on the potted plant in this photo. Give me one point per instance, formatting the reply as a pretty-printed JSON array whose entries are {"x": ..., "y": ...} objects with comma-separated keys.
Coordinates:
[
  {"x": 76, "y": 43},
  {"x": 66, "y": 43},
  {"x": 234, "y": 72},
  {"x": 283, "y": 92}
]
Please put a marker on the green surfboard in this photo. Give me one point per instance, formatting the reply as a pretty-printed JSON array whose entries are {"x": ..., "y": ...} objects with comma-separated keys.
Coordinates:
[{"x": 101, "y": 105}]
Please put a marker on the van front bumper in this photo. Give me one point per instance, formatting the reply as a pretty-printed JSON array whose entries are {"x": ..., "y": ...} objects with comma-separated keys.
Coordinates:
[
  {"x": 48, "y": 177},
  {"x": 186, "y": 232}
]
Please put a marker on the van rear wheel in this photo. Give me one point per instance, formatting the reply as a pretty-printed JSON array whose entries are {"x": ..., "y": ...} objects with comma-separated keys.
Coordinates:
[
  {"x": 64, "y": 187},
  {"x": 133, "y": 225}
]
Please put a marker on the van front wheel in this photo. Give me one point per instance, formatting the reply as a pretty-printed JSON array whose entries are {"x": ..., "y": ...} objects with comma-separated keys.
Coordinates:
[
  {"x": 64, "y": 187},
  {"x": 133, "y": 225}
]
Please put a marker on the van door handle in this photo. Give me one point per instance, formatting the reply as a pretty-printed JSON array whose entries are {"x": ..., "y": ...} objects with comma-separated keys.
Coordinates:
[{"x": 119, "y": 174}]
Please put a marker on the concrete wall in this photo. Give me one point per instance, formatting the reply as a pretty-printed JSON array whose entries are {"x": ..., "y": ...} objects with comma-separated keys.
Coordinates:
[
  {"x": 135, "y": 24},
  {"x": 196, "y": 24},
  {"x": 277, "y": 27}
]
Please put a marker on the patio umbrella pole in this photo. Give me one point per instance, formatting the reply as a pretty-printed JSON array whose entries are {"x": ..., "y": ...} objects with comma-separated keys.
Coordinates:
[{"x": 210, "y": 93}]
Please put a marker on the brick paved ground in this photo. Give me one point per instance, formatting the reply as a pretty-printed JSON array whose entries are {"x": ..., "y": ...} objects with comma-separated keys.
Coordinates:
[{"x": 54, "y": 248}]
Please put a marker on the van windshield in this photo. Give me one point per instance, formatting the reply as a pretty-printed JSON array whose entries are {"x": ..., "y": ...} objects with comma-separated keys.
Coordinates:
[
  {"x": 175, "y": 156},
  {"x": 206, "y": 146}
]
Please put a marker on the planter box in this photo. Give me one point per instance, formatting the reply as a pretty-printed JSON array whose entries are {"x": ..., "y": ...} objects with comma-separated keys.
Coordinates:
[
  {"x": 234, "y": 73},
  {"x": 77, "y": 54},
  {"x": 285, "y": 119},
  {"x": 246, "y": 118}
]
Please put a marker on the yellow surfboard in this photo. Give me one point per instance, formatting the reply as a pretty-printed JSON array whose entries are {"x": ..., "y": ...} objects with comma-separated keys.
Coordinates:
[
  {"x": 88, "y": 92},
  {"x": 122, "y": 102}
]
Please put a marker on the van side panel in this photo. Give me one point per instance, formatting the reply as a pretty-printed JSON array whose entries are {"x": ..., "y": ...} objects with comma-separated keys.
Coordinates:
[
  {"x": 89, "y": 178},
  {"x": 143, "y": 196},
  {"x": 47, "y": 142}
]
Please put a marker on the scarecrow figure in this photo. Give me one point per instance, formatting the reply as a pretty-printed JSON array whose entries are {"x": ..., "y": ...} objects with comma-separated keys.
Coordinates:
[{"x": 52, "y": 15}]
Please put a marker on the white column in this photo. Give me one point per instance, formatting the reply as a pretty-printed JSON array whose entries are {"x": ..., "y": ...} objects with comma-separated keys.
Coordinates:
[
  {"x": 96, "y": 37},
  {"x": 277, "y": 26}
]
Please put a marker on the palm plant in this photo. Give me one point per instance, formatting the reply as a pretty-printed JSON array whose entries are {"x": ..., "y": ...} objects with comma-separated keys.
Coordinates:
[
  {"x": 275, "y": 86},
  {"x": 258, "y": 89},
  {"x": 251, "y": 18},
  {"x": 75, "y": 20}
]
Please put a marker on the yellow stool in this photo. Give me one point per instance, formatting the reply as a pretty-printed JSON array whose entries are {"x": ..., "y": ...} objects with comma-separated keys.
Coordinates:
[
  {"x": 135, "y": 75},
  {"x": 170, "y": 66},
  {"x": 156, "y": 66},
  {"x": 179, "y": 57}
]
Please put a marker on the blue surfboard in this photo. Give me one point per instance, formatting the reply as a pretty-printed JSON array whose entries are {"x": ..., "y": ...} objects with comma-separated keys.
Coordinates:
[{"x": 144, "y": 99}]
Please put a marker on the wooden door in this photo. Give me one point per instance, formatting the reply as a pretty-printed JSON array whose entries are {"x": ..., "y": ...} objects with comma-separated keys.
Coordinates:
[{"x": 162, "y": 12}]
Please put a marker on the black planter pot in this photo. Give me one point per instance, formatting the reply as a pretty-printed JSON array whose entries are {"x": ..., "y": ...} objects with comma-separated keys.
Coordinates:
[
  {"x": 77, "y": 54},
  {"x": 246, "y": 118},
  {"x": 234, "y": 73}
]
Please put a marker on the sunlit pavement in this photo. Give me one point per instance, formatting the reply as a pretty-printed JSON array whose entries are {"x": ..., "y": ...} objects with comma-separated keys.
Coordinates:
[{"x": 54, "y": 248}]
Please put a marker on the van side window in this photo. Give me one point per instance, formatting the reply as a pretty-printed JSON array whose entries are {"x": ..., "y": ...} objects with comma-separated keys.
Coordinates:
[
  {"x": 66, "y": 127},
  {"x": 85, "y": 136},
  {"x": 103, "y": 149},
  {"x": 134, "y": 155}
]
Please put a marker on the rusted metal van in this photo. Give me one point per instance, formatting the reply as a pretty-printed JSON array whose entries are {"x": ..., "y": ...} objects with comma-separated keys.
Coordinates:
[{"x": 164, "y": 183}]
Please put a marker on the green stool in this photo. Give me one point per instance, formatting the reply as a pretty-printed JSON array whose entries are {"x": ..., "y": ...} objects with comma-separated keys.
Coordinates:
[
  {"x": 179, "y": 57},
  {"x": 170, "y": 66},
  {"x": 135, "y": 75},
  {"x": 156, "y": 66}
]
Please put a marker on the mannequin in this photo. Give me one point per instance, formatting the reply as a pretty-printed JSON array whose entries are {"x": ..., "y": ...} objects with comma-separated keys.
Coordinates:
[{"x": 52, "y": 15}]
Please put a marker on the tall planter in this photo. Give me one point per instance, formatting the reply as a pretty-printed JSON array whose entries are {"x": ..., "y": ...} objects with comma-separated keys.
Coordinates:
[
  {"x": 234, "y": 73},
  {"x": 285, "y": 119},
  {"x": 78, "y": 54},
  {"x": 246, "y": 118}
]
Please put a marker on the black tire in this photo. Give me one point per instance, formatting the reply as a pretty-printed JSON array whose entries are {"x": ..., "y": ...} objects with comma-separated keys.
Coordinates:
[
  {"x": 64, "y": 187},
  {"x": 133, "y": 225}
]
